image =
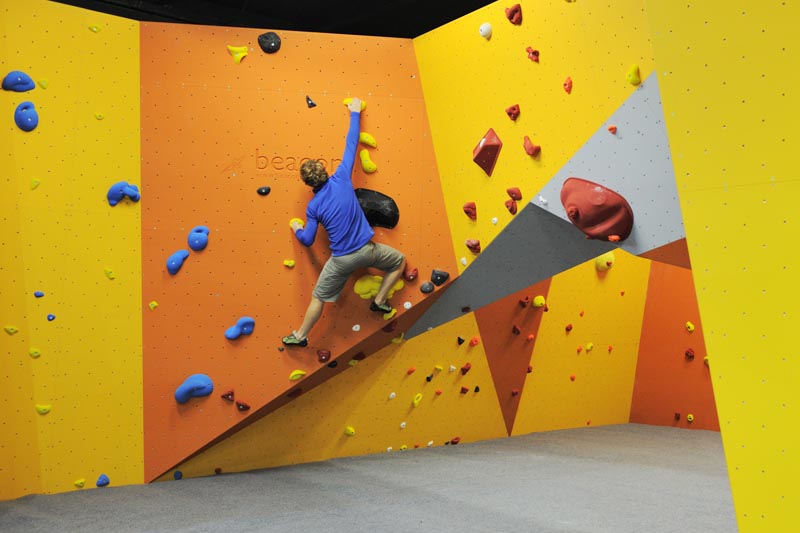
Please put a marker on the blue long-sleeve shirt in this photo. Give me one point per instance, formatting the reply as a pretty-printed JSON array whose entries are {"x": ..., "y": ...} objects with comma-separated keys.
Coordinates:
[{"x": 335, "y": 205}]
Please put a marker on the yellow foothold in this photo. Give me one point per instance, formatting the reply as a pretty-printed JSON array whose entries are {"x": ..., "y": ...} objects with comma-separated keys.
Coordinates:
[
  {"x": 690, "y": 417},
  {"x": 43, "y": 409},
  {"x": 398, "y": 339},
  {"x": 438, "y": 368},
  {"x": 43, "y": 84},
  {"x": 99, "y": 116},
  {"x": 34, "y": 352},
  {"x": 689, "y": 327},
  {"x": 80, "y": 483},
  {"x": 366, "y": 163},
  {"x": 238, "y": 52},
  {"x": 705, "y": 360},
  {"x": 390, "y": 314},
  {"x": 11, "y": 330},
  {"x": 633, "y": 75},
  {"x": 352, "y": 362},
  {"x": 538, "y": 301},
  {"x": 589, "y": 346},
  {"x": 404, "y": 447},
  {"x": 94, "y": 28},
  {"x": 347, "y": 102},
  {"x": 289, "y": 263},
  {"x": 367, "y": 286},
  {"x": 417, "y": 399},
  {"x": 299, "y": 221},
  {"x": 603, "y": 262},
  {"x": 349, "y": 431},
  {"x": 297, "y": 374},
  {"x": 152, "y": 305},
  {"x": 35, "y": 183},
  {"x": 109, "y": 273},
  {"x": 366, "y": 138}
]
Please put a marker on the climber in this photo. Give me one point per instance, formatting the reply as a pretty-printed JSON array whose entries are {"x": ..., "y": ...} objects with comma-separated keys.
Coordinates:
[{"x": 336, "y": 207}]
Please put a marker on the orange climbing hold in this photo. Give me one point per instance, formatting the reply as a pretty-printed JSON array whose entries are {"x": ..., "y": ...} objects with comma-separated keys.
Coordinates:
[
  {"x": 531, "y": 149},
  {"x": 514, "y": 14},
  {"x": 513, "y": 112},
  {"x": 597, "y": 211},
  {"x": 568, "y": 85}
]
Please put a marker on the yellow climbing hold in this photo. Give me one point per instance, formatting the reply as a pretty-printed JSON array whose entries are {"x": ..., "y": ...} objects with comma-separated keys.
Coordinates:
[
  {"x": 404, "y": 447},
  {"x": 43, "y": 84},
  {"x": 94, "y": 28},
  {"x": 390, "y": 314},
  {"x": 34, "y": 352},
  {"x": 366, "y": 138},
  {"x": 352, "y": 362},
  {"x": 538, "y": 301},
  {"x": 589, "y": 346},
  {"x": 438, "y": 368},
  {"x": 289, "y": 263},
  {"x": 35, "y": 183},
  {"x": 348, "y": 101},
  {"x": 398, "y": 339},
  {"x": 367, "y": 286},
  {"x": 690, "y": 417},
  {"x": 238, "y": 52},
  {"x": 417, "y": 399},
  {"x": 689, "y": 327},
  {"x": 109, "y": 273},
  {"x": 10, "y": 330},
  {"x": 366, "y": 163},
  {"x": 99, "y": 116},
  {"x": 603, "y": 262},
  {"x": 297, "y": 374},
  {"x": 633, "y": 75},
  {"x": 152, "y": 305},
  {"x": 80, "y": 483},
  {"x": 43, "y": 409},
  {"x": 298, "y": 220},
  {"x": 349, "y": 431}
]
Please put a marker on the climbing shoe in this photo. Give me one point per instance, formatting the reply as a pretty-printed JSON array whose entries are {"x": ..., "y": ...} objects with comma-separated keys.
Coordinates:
[
  {"x": 291, "y": 340},
  {"x": 381, "y": 308}
]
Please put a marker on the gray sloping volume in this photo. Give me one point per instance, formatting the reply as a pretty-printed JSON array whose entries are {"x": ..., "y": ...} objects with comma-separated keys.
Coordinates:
[
  {"x": 636, "y": 163},
  {"x": 534, "y": 246}
]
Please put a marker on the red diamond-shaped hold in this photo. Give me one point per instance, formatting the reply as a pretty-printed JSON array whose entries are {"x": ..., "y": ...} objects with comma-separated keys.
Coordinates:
[{"x": 485, "y": 154}]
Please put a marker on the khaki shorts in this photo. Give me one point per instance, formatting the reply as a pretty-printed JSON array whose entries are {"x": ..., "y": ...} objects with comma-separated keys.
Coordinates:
[{"x": 337, "y": 270}]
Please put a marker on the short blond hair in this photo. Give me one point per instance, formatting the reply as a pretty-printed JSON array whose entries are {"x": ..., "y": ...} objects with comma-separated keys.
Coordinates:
[{"x": 313, "y": 172}]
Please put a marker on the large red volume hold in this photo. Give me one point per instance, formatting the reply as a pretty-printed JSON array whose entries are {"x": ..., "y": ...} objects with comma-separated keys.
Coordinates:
[
  {"x": 597, "y": 211},
  {"x": 485, "y": 154}
]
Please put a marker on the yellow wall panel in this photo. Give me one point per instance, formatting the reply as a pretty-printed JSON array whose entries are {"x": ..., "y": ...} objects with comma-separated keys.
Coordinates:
[
  {"x": 604, "y": 309},
  {"x": 311, "y": 428},
  {"x": 469, "y": 82},
  {"x": 64, "y": 235},
  {"x": 728, "y": 75}
]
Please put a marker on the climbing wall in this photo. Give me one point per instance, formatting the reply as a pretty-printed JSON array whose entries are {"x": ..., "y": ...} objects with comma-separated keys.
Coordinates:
[
  {"x": 728, "y": 77},
  {"x": 214, "y": 131},
  {"x": 673, "y": 380},
  {"x": 77, "y": 351}
]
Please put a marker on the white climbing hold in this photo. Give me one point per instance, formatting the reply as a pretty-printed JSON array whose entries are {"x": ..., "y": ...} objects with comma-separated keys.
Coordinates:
[
  {"x": 464, "y": 261},
  {"x": 392, "y": 395},
  {"x": 494, "y": 220},
  {"x": 402, "y": 425},
  {"x": 407, "y": 306},
  {"x": 452, "y": 368},
  {"x": 542, "y": 200},
  {"x": 430, "y": 443},
  {"x": 356, "y": 328}
]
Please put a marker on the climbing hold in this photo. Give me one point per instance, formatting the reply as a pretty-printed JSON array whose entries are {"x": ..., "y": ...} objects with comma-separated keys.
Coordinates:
[
  {"x": 677, "y": 416},
  {"x": 494, "y": 220},
  {"x": 514, "y": 392},
  {"x": 438, "y": 392},
  {"x": 11, "y": 330},
  {"x": 178, "y": 475},
  {"x": 514, "y": 193},
  {"x": 477, "y": 389},
  {"x": 402, "y": 425},
  {"x": 410, "y": 274},
  {"x": 689, "y": 354},
  {"x": 515, "y": 329},
  {"x": 589, "y": 346},
  {"x": 43, "y": 84},
  {"x": 366, "y": 138},
  {"x": 531, "y": 149},
  {"x": 487, "y": 150},
  {"x": 360, "y": 356},
  {"x": 705, "y": 360},
  {"x": 568, "y": 328},
  {"x": 323, "y": 356},
  {"x": 542, "y": 200},
  {"x": 356, "y": 328},
  {"x": 263, "y": 191},
  {"x": 298, "y": 221},
  {"x": 514, "y": 14},
  {"x": 474, "y": 245},
  {"x": 470, "y": 210},
  {"x": 411, "y": 370},
  {"x": 43, "y": 409},
  {"x": 366, "y": 163},
  {"x": 438, "y": 368},
  {"x": 243, "y": 326},
  {"x": 429, "y": 378},
  {"x": 242, "y": 407},
  {"x": 269, "y": 42},
  {"x": 296, "y": 375},
  {"x": 288, "y": 263},
  {"x": 568, "y": 85},
  {"x": 530, "y": 369},
  {"x": 195, "y": 386},
  {"x": 227, "y": 395},
  {"x": 217, "y": 471},
  {"x": 513, "y": 112},
  {"x": 333, "y": 364},
  {"x": 603, "y": 262},
  {"x": 238, "y": 53},
  {"x": 348, "y": 101},
  {"x": 390, "y": 327},
  {"x": 117, "y": 192},
  {"x": 38, "y": 294},
  {"x": 572, "y": 377},
  {"x": 109, "y": 273},
  {"x": 466, "y": 309},
  {"x": 610, "y": 348},
  {"x": 579, "y": 349},
  {"x": 80, "y": 483},
  {"x": 18, "y": 82},
  {"x": 511, "y": 205},
  {"x": 310, "y": 103},
  {"x": 533, "y": 54},
  {"x": 352, "y": 362},
  {"x": 538, "y": 301},
  {"x": 152, "y": 305},
  {"x": 175, "y": 261},
  {"x": 103, "y": 481},
  {"x": 99, "y": 116},
  {"x": 689, "y": 327},
  {"x": 198, "y": 238},
  {"x": 612, "y": 130},
  {"x": 26, "y": 116},
  {"x": 474, "y": 341},
  {"x": 94, "y": 28},
  {"x": 460, "y": 340},
  {"x": 485, "y": 30},
  {"x": 349, "y": 431},
  {"x": 455, "y": 440},
  {"x": 34, "y": 352},
  {"x": 417, "y": 399},
  {"x": 367, "y": 286},
  {"x": 438, "y": 277},
  {"x": 392, "y": 395},
  {"x": 464, "y": 390},
  {"x": 690, "y": 418},
  {"x": 581, "y": 313},
  {"x": 530, "y": 337},
  {"x": 51, "y": 317},
  {"x": 597, "y": 211},
  {"x": 633, "y": 75},
  {"x": 380, "y": 209},
  {"x": 466, "y": 368},
  {"x": 524, "y": 301}
]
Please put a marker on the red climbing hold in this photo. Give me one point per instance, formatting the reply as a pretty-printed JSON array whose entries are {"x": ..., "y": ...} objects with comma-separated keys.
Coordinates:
[
  {"x": 525, "y": 302},
  {"x": 410, "y": 274},
  {"x": 514, "y": 392},
  {"x": 579, "y": 349},
  {"x": 227, "y": 395},
  {"x": 455, "y": 440},
  {"x": 533, "y": 54},
  {"x": 360, "y": 356},
  {"x": 464, "y": 390},
  {"x": 568, "y": 328},
  {"x": 241, "y": 406},
  {"x": 612, "y": 130},
  {"x": 514, "y": 193},
  {"x": 530, "y": 148},
  {"x": 474, "y": 341},
  {"x": 511, "y": 205},
  {"x": 610, "y": 348},
  {"x": 438, "y": 392},
  {"x": 470, "y": 210},
  {"x": 390, "y": 327},
  {"x": 411, "y": 371},
  {"x": 486, "y": 152},
  {"x": 514, "y": 14},
  {"x": 530, "y": 337},
  {"x": 530, "y": 369},
  {"x": 515, "y": 329},
  {"x": 597, "y": 211},
  {"x": 474, "y": 245},
  {"x": 689, "y": 354},
  {"x": 513, "y": 111},
  {"x": 323, "y": 356},
  {"x": 466, "y": 368},
  {"x": 572, "y": 377},
  {"x": 568, "y": 85}
]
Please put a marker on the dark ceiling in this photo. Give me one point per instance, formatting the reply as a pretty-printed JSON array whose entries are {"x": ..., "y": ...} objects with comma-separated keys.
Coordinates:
[{"x": 387, "y": 18}]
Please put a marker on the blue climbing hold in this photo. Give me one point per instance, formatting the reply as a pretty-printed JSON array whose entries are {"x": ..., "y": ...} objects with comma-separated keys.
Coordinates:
[
  {"x": 51, "y": 317},
  {"x": 103, "y": 480},
  {"x": 38, "y": 294},
  {"x": 26, "y": 116},
  {"x": 178, "y": 474},
  {"x": 175, "y": 261},
  {"x": 243, "y": 326},
  {"x": 198, "y": 238},
  {"x": 195, "y": 386},
  {"x": 18, "y": 81},
  {"x": 120, "y": 190}
]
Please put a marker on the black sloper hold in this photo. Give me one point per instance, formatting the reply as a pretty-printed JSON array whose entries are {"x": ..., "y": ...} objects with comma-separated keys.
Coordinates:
[
  {"x": 270, "y": 42},
  {"x": 438, "y": 277}
]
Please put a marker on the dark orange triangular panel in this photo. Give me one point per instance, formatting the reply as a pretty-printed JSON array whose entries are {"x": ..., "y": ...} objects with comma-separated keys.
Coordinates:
[{"x": 674, "y": 253}]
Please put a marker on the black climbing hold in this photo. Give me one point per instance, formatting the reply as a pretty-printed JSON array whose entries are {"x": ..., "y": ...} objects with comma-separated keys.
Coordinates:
[
  {"x": 280, "y": 348},
  {"x": 333, "y": 364},
  {"x": 466, "y": 309},
  {"x": 263, "y": 191},
  {"x": 439, "y": 276},
  {"x": 429, "y": 378},
  {"x": 461, "y": 340},
  {"x": 380, "y": 209},
  {"x": 426, "y": 287},
  {"x": 310, "y": 102},
  {"x": 360, "y": 356},
  {"x": 477, "y": 389},
  {"x": 270, "y": 42}
]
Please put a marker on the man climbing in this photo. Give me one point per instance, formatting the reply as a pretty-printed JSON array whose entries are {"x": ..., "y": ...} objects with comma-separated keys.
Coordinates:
[{"x": 336, "y": 207}]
